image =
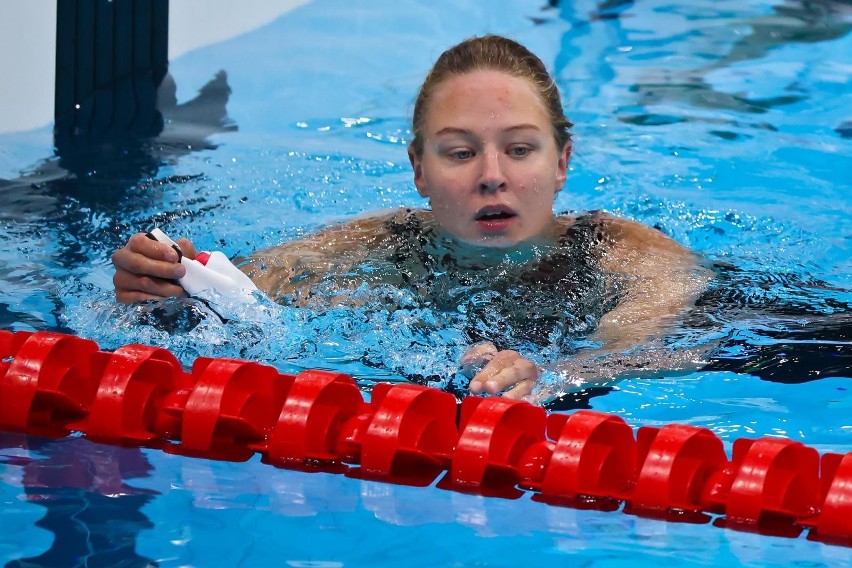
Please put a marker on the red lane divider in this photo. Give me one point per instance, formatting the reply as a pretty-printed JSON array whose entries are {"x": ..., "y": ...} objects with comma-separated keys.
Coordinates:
[
  {"x": 775, "y": 483},
  {"x": 496, "y": 433},
  {"x": 130, "y": 400},
  {"x": 591, "y": 465},
  {"x": 52, "y": 384},
  {"x": 308, "y": 435},
  {"x": 677, "y": 464},
  {"x": 48, "y": 383},
  {"x": 231, "y": 405},
  {"x": 410, "y": 435}
]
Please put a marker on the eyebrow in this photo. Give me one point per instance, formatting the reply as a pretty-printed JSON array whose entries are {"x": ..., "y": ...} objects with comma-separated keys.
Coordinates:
[{"x": 454, "y": 130}]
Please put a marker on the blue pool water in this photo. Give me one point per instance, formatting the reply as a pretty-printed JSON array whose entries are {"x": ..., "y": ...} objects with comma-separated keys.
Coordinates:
[{"x": 726, "y": 124}]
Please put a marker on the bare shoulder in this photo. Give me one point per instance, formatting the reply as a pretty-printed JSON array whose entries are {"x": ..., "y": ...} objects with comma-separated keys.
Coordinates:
[
  {"x": 636, "y": 248},
  {"x": 330, "y": 250},
  {"x": 341, "y": 236},
  {"x": 377, "y": 220},
  {"x": 626, "y": 234}
]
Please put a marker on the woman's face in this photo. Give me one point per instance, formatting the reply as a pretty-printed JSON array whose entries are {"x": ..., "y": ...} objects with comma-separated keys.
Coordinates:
[{"x": 490, "y": 166}]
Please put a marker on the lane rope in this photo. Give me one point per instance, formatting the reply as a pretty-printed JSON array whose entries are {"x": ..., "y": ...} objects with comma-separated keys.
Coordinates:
[{"x": 53, "y": 384}]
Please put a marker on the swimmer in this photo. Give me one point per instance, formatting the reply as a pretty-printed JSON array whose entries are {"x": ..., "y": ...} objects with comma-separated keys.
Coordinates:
[{"x": 490, "y": 151}]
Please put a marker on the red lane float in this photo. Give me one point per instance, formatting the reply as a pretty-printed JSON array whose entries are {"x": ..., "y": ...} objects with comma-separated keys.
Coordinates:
[
  {"x": 409, "y": 436},
  {"x": 312, "y": 418},
  {"x": 495, "y": 434},
  {"x": 591, "y": 464},
  {"x": 129, "y": 405},
  {"x": 677, "y": 464},
  {"x": 48, "y": 383},
  {"x": 52, "y": 384}
]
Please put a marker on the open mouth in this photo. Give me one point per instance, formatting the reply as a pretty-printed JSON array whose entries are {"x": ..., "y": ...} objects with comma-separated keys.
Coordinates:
[{"x": 491, "y": 214}]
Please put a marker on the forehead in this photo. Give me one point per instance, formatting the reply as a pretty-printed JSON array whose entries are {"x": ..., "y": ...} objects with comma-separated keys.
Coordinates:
[{"x": 485, "y": 94}]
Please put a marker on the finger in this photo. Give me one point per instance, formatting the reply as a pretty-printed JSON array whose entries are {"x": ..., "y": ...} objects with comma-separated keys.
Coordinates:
[
  {"x": 498, "y": 376},
  {"x": 128, "y": 282},
  {"x": 151, "y": 264},
  {"x": 141, "y": 243},
  {"x": 521, "y": 389},
  {"x": 187, "y": 248},
  {"x": 130, "y": 287},
  {"x": 480, "y": 380},
  {"x": 479, "y": 353},
  {"x": 473, "y": 361}
]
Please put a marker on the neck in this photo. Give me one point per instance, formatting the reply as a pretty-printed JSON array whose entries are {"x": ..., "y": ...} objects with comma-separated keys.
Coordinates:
[{"x": 473, "y": 255}]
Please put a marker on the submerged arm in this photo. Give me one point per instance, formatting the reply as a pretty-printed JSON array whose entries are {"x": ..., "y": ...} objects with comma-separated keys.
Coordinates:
[
  {"x": 662, "y": 280},
  {"x": 291, "y": 268}
]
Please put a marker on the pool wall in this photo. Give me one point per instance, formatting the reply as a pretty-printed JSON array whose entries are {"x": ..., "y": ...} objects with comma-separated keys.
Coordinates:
[{"x": 27, "y": 97}]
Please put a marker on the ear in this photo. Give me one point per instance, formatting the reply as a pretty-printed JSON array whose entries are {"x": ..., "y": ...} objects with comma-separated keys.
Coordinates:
[
  {"x": 562, "y": 165},
  {"x": 417, "y": 166}
]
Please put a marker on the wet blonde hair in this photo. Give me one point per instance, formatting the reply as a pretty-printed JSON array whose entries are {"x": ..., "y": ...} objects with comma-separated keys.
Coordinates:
[{"x": 493, "y": 53}]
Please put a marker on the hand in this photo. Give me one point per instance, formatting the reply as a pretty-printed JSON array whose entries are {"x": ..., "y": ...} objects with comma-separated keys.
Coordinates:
[
  {"x": 146, "y": 269},
  {"x": 503, "y": 370}
]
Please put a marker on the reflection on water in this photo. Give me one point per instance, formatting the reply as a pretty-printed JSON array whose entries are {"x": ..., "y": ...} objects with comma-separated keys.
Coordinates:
[
  {"x": 793, "y": 22},
  {"x": 111, "y": 171},
  {"x": 707, "y": 57},
  {"x": 256, "y": 515},
  {"x": 70, "y": 208},
  {"x": 94, "y": 516}
]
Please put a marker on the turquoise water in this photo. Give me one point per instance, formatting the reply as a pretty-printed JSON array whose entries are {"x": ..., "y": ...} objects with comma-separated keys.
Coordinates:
[{"x": 726, "y": 125}]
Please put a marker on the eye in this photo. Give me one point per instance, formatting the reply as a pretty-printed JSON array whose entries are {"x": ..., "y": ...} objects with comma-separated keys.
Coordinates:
[
  {"x": 462, "y": 154},
  {"x": 519, "y": 151}
]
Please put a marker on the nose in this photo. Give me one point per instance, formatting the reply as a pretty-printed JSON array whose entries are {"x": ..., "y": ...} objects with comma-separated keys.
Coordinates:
[{"x": 492, "y": 178}]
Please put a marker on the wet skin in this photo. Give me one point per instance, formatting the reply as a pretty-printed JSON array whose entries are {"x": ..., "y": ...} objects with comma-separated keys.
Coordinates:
[
  {"x": 490, "y": 165},
  {"x": 491, "y": 169}
]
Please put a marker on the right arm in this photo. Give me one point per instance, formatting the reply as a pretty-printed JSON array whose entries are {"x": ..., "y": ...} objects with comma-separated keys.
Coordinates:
[
  {"x": 663, "y": 281},
  {"x": 146, "y": 269},
  {"x": 296, "y": 265}
]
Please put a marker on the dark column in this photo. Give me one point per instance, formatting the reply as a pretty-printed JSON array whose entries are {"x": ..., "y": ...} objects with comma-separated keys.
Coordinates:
[{"x": 110, "y": 59}]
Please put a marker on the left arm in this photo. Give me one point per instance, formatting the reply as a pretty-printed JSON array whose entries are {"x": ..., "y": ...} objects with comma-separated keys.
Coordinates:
[{"x": 663, "y": 281}]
